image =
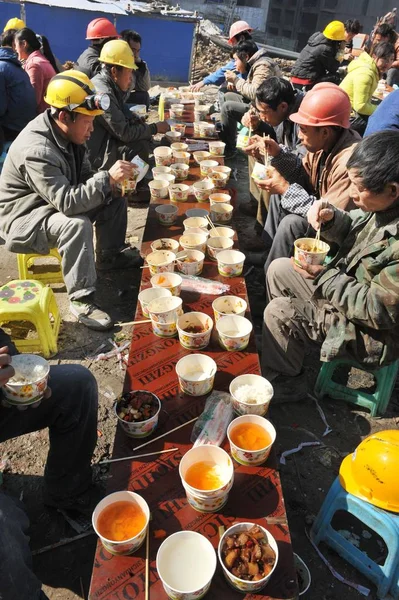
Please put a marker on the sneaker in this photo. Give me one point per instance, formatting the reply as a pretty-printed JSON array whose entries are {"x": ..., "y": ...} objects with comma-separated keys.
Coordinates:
[
  {"x": 290, "y": 389},
  {"x": 89, "y": 314},
  {"x": 129, "y": 258},
  {"x": 84, "y": 504}
]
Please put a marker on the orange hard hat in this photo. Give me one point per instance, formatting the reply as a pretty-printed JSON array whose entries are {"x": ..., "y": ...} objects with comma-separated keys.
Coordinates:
[
  {"x": 237, "y": 28},
  {"x": 324, "y": 105},
  {"x": 101, "y": 28}
]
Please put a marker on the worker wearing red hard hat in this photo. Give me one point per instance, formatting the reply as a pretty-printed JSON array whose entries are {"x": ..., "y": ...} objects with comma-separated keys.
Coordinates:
[
  {"x": 99, "y": 32},
  {"x": 239, "y": 31},
  {"x": 323, "y": 120}
]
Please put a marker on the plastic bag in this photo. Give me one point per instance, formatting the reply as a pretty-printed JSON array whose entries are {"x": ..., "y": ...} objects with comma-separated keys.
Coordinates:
[
  {"x": 210, "y": 428},
  {"x": 192, "y": 283}
]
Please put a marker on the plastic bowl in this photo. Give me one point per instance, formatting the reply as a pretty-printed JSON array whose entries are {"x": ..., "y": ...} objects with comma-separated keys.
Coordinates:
[
  {"x": 194, "y": 265},
  {"x": 222, "y": 232},
  {"x": 163, "y": 156},
  {"x": 158, "y": 188},
  {"x": 160, "y": 170},
  {"x": 196, "y": 374},
  {"x": 217, "y": 148},
  {"x": 200, "y": 222},
  {"x": 230, "y": 263},
  {"x": 167, "y": 178},
  {"x": 179, "y": 147},
  {"x": 234, "y": 332},
  {"x": 245, "y": 456},
  {"x": 165, "y": 244},
  {"x": 168, "y": 281},
  {"x": 206, "y": 166},
  {"x": 161, "y": 261},
  {"x": 214, "y": 245},
  {"x": 181, "y": 157},
  {"x": 178, "y": 192},
  {"x": 149, "y": 294},
  {"x": 202, "y": 190},
  {"x": 166, "y": 213},
  {"x": 194, "y": 241},
  {"x": 201, "y": 155},
  {"x": 310, "y": 251},
  {"x": 165, "y": 310},
  {"x": 180, "y": 128},
  {"x": 173, "y": 136},
  {"x": 221, "y": 213},
  {"x": 228, "y": 305},
  {"x": 189, "y": 339},
  {"x": 29, "y": 383}
]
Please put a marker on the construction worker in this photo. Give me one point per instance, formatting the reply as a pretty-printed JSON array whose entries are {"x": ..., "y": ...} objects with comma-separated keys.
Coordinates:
[
  {"x": 323, "y": 119},
  {"x": 50, "y": 198},
  {"x": 99, "y": 32},
  {"x": 118, "y": 131},
  {"x": 350, "y": 307},
  {"x": 239, "y": 32},
  {"x": 15, "y": 24},
  {"x": 321, "y": 57},
  {"x": 142, "y": 78}
]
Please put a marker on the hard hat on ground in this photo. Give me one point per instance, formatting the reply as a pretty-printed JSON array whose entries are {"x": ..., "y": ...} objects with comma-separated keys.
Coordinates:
[
  {"x": 237, "y": 28},
  {"x": 370, "y": 473},
  {"x": 324, "y": 105},
  {"x": 101, "y": 28},
  {"x": 118, "y": 52},
  {"x": 73, "y": 91},
  {"x": 335, "y": 31},
  {"x": 14, "y": 23}
]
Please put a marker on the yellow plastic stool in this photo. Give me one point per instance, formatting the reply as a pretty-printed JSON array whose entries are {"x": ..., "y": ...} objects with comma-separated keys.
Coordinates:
[
  {"x": 30, "y": 300},
  {"x": 25, "y": 261}
]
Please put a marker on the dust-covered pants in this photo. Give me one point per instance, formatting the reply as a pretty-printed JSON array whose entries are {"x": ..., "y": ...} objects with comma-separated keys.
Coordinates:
[
  {"x": 289, "y": 321},
  {"x": 73, "y": 237},
  {"x": 71, "y": 416}
]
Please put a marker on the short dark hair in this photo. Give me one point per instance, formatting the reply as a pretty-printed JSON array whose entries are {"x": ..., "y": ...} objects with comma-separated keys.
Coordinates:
[
  {"x": 386, "y": 30},
  {"x": 7, "y": 38},
  {"x": 275, "y": 90},
  {"x": 244, "y": 49},
  {"x": 130, "y": 36},
  {"x": 383, "y": 50},
  {"x": 375, "y": 159},
  {"x": 353, "y": 26}
]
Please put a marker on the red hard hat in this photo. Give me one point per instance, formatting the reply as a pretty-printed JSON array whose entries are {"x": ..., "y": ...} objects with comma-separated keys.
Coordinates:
[
  {"x": 101, "y": 28},
  {"x": 324, "y": 105},
  {"x": 237, "y": 28}
]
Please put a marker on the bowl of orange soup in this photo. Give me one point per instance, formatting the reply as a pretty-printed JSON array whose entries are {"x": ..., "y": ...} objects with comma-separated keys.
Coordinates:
[
  {"x": 251, "y": 438},
  {"x": 120, "y": 520}
]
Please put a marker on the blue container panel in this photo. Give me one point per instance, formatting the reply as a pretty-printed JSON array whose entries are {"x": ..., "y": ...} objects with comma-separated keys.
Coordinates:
[{"x": 8, "y": 11}]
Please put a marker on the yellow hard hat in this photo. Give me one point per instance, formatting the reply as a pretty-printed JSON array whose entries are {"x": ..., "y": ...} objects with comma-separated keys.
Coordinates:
[
  {"x": 370, "y": 473},
  {"x": 118, "y": 52},
  {"x": 14, "y": 23},
  {"x": 72, "y": 90},
  {"x": 335, "y": 31}
]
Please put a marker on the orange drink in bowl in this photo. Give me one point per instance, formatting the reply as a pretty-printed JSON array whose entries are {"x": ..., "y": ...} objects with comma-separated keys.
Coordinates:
[{"x": 251, "y": 438}]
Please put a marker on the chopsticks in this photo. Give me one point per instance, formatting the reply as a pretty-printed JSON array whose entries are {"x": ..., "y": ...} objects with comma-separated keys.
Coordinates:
[
  {"x": 134, "y": 322},
  {"x": 267, "y": 152},
  {"x": 163, "y": 435},
  {"x": 211, "y": 224},
  {"x": 316, "y": 240},
  {"x": 112, "y": 460},
  {"x": 147, "y": 563}
]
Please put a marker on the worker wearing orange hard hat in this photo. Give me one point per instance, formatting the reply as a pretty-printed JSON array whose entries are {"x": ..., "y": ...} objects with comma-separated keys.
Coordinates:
[
  {"x": 239, "y": 32},
  {"x": 99, "y": 32}
]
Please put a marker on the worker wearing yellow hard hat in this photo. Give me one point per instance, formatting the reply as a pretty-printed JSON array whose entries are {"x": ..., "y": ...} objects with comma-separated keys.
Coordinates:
[
  {"x": 335, "y": 31},
  {"x": 73, "y": 91},
  {"x": 14, "y": 23}
]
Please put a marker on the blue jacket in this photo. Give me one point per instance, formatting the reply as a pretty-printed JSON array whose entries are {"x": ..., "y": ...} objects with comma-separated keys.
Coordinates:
[
  {"x": 386, "y": 116},
  {"x": 217, "y": 78},
  {"x": 17, "y": 96}
]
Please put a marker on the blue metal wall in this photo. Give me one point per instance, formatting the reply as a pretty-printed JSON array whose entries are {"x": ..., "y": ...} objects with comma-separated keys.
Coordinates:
[{"x": 167, "y": 43}]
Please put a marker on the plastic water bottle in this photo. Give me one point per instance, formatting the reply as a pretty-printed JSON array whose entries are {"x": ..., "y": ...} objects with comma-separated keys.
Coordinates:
[{"x": 161, "y": 108}]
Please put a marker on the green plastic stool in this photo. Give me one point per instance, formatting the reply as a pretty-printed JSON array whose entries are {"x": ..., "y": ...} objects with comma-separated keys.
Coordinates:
[{"x": 377, "y": 402}]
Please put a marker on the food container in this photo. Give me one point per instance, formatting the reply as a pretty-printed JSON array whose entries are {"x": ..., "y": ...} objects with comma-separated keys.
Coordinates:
[
  {"x": 29, "y": 383},
  {"x": 173, "y": 136},
  {"x": 211, "y": 469},
  {"x": 167, "y": 178},
  {"x": 178, "y": 192},
  {"x": 207, "y": 130},
  {"x": 221, "y": 232},
  {"x": 180, "y": 128},
  {"x": 218, "y": 179},
  {"x": 260, "y": 172},
  {"x": 228, "y": 305},
  {"x": 195, "y": 230},
  {"x": 214, "y": 245},
  {"x": 190, "y": 262},
  {"x": 250, "y": 446},
  {"x": 161, "y": 261},
  {"x": 201, "y": 155},
  {"x": 219, "y": 198},
  {"x": 181, "y": 157},
  {"x": 198, "y": 98},
  {"x": 179, "y": 146},
  {"x": 163, "y": 156},
  {"x": 196, "y": 222},
  {"x": 139, "y": 110},
  {"x": 158, "y": 188},
  {"x": 169, "y": 281},
  {"x": 311, "y": 251},
  {"x": 165, "y": 310},
  {"x": 126, "y": 546},
  {"x": 221, "y": 213},
  {"x": 303, "y": 574},
  {"x": 191, "y": 241},
  {"x": 164, "y": 330},
  {"x": 217, "y": 148},
  {"x": 202, "y": 189},
  {"x": 194, "y": 329},
  {"x": 166, "y": 213},
  {"x": 242, "y": 141},
  {"x": 223, "y": 169},
  {"x": 186, "y": 563},
  {"x": 196, "y": 126},
  {"x": 243, "y": 585},
  {"x": 230, "y": 263},
  {"x": 197, "y": 212},
  {"x": 149, "y": 294},
  {"x": 234, "y": 332},
  {"x": 176, "y": 111},
  {"x": 206, "y": 166},
  {"x": 200, "y": 112},
  {"x": 196, "y": 374},
  {"x": 160, "y": 171},
  {"x": 180, "y": 171},
  {"x": 127, "y": 409},
  {"x": 165, "y": 244}
]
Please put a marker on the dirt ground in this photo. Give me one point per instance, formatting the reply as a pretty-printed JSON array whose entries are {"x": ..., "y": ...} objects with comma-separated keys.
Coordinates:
[{"x": 306, "y": 477}]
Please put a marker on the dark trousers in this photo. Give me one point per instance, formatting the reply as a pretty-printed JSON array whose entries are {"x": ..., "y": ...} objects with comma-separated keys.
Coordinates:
[
  {"x": 233, "y": 109},
  {"x": 71, "y": 416},
  {"x": 139, "y": 98}
]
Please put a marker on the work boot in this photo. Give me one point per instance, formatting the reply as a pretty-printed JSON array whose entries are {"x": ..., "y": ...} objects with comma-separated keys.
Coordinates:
[
  {"x": 290, "y": 389},
  {"x": 84, "y": 504},
  {"x": 129, "y": 258},
  {"x": 88, "y": 313}
]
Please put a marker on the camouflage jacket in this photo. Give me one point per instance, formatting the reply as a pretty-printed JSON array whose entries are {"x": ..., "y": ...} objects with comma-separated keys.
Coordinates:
[{"x": 358, "y": 293}]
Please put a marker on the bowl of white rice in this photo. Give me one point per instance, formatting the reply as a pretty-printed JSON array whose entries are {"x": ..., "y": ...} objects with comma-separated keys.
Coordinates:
[
  {"x": 28, "y": 384},
  {"x": 251, "y": 394}
]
